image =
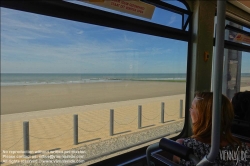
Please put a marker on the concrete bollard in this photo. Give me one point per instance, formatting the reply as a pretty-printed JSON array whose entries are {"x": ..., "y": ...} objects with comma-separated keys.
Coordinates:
[
  {"x": 75, "y": 131},
  {"x": 181, "y": 108},
  {"x": 139, "y": 116},
  {"x": 111, "y": 130},
  {"x": 162, "y": 112},
  {"x": 26, "y": 140}
]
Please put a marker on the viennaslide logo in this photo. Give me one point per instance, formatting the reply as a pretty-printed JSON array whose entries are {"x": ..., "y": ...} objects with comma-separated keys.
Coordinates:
[{"x": 238, "y": 155}]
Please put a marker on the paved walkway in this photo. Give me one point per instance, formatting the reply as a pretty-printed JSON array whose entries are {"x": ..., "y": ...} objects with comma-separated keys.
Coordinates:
[{"x": 52, "y": 130}]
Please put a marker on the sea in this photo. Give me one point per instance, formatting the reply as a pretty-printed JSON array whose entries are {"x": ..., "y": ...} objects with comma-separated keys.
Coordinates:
[{"x": 15, "y": 79}]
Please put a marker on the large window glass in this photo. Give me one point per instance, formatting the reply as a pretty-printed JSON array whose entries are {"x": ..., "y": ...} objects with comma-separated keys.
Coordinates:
[
  {"x": 145, "y": 11},
  {"x": 85, "y": 91},
  {"x": 236, "y": 74},
  {"x": 245, "y": 72}
]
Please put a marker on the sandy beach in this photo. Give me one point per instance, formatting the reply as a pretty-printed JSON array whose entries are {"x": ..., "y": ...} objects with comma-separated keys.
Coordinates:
[
  {"x": 16, "y": 99},
  {"x": 26, "y": 98},
  {"x": 50, "y": 109}
]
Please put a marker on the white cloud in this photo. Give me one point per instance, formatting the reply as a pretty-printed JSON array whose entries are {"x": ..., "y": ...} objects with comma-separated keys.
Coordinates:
[
  {"x": 126, "y": 39},
  {"x": 172, "y": 20},
  {"x": 80, "y": 32},
  {"x": 42, "y": 44}
]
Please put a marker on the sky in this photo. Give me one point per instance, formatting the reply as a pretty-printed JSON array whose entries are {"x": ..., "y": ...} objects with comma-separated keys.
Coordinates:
[{"x": 32, "y": 43}]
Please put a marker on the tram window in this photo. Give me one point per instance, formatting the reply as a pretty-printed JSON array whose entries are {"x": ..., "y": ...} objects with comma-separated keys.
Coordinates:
[
  {"x": 53, "y": 69},
  {"x": 245, "y": 72},
  {"x": 246, "y": 29},
  {"x": 236, "y": 73},
  {"x": 236, "y": 70},
  {"x": 175, "y": 3},
  {"x": 236, "y": 36},
  {"x": 159, "y": 16}
]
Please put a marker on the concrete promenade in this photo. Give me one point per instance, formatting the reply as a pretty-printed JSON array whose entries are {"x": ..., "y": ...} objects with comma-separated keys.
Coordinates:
[{"x": 52, "y": 130}]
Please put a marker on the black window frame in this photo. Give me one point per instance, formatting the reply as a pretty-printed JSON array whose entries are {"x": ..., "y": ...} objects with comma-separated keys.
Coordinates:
[{"x": 74, "y": 12}]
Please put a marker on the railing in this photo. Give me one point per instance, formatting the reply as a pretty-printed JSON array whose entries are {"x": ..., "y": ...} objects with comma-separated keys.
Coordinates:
[
  {"x": 110, "y": 126},
  {"x": 75, "y": 127}
]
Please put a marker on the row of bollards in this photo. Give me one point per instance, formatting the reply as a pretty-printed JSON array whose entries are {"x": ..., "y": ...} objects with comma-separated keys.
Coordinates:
[{"x": 75, "y": 125}]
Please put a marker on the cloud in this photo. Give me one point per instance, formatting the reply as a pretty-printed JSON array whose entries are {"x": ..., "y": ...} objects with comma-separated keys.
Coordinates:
[
  {"x": 34, "y": 43},
  {"x": 80, "y": 32},
  {"x": 172, "y": 20},
  {"x": 126, "y": 39},
  {"x": 23, "y": 22}
]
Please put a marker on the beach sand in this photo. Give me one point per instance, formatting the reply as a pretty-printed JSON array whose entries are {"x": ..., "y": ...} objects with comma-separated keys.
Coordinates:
[
  {"x": 17, "y": 99},
  {"x": 26, "y": 98},
  {"x": 50, "y": 109}
]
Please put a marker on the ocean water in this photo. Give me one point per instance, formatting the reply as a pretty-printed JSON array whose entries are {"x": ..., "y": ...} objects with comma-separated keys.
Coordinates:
[{"x": 12, "y": 79}]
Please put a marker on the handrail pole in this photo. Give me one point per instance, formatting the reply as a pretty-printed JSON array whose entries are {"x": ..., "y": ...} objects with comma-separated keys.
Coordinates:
[
  {"x": 217, "y": 84},
  {"x": 149, "y": 150},
  {"x": 217, "y": 79}
]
